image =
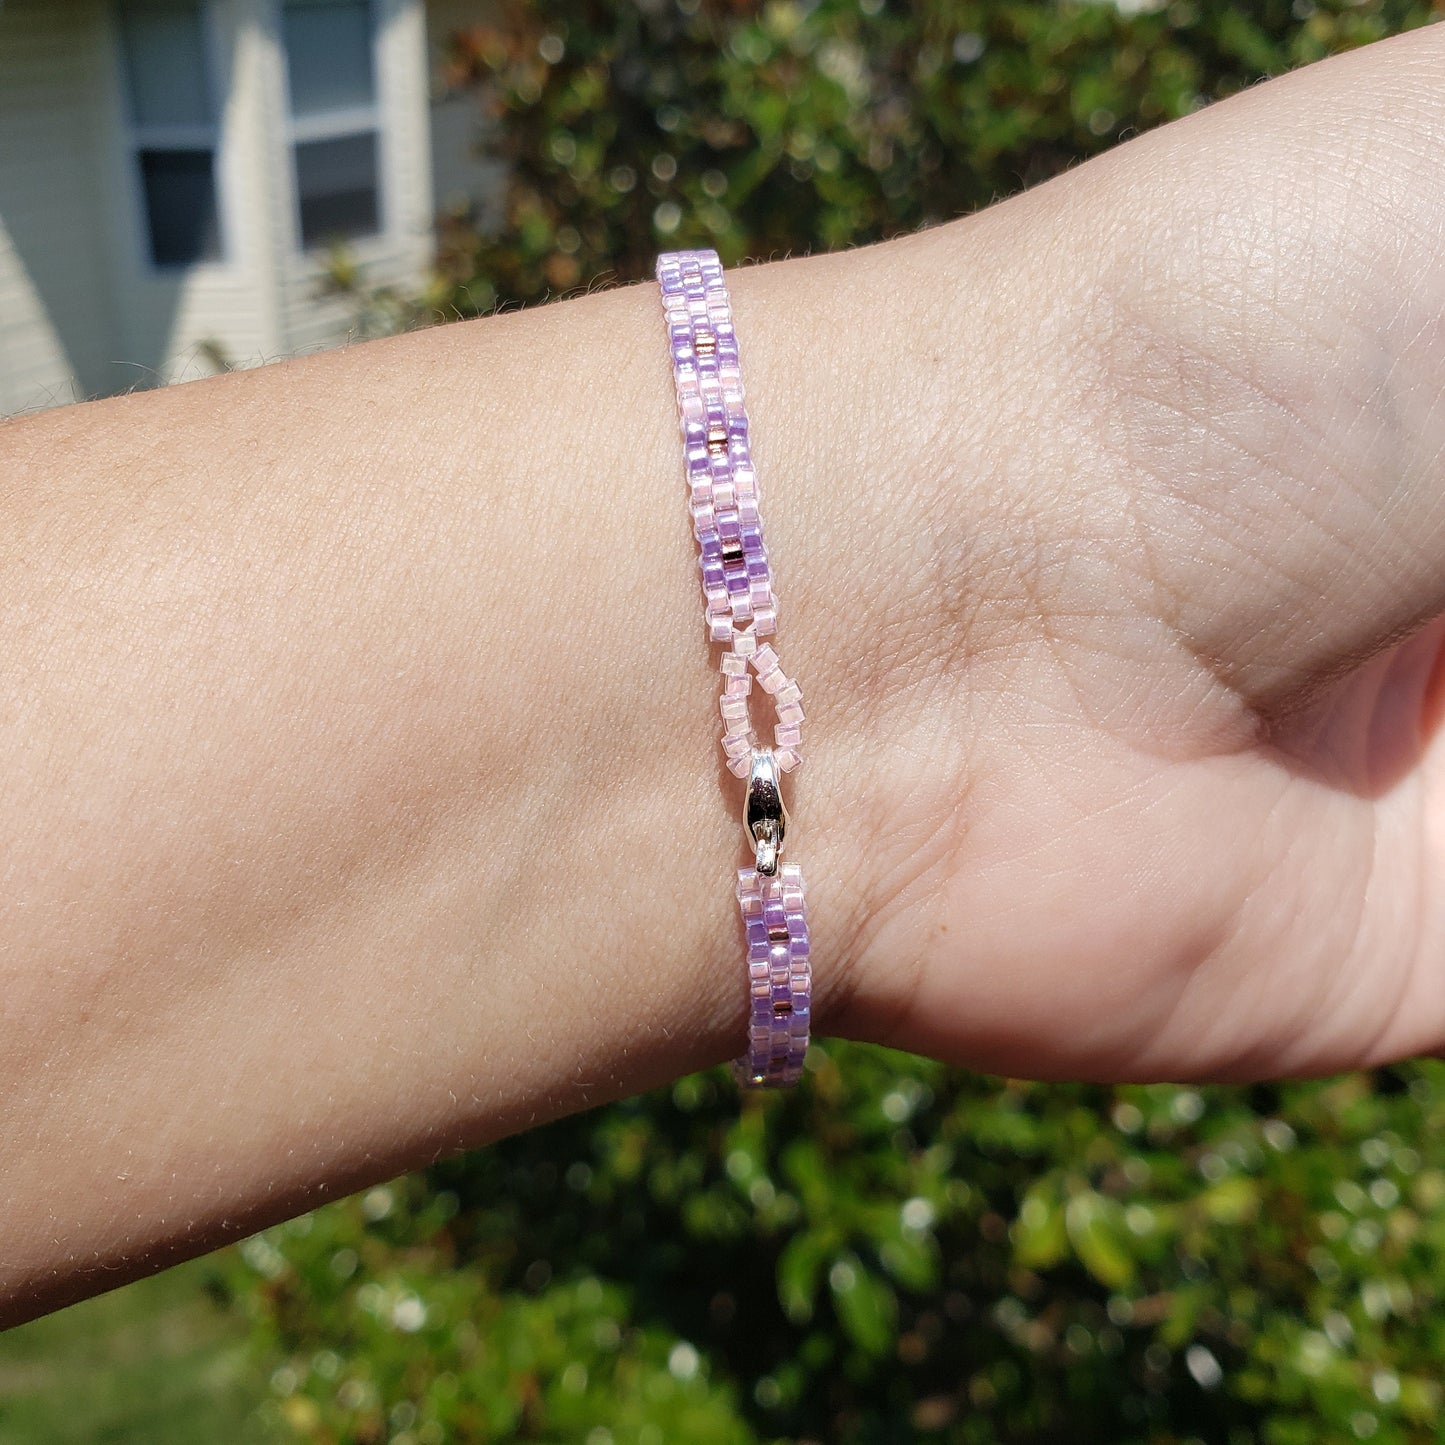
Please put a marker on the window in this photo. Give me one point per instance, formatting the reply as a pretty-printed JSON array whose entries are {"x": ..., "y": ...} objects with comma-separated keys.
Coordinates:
[
  {"x": 172, "y": 127},
  {"x": 334, "y": 118}
]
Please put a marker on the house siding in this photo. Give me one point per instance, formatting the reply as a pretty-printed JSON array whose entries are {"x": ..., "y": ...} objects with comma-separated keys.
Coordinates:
[
  {"x": 171, "y": 323},
  {"x": 57, "y": 323},
  {"x": 466, "y": 179},
  {"x": 401, "y": 257},
  {"x": 82, "y": 311}
]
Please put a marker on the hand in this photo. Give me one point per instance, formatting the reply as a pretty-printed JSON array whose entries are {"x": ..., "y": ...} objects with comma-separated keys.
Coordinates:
[{"x": 1147, "y": 779}]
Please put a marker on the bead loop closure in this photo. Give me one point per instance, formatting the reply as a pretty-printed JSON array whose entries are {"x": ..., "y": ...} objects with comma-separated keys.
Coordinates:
[{"x": 740, "y": 609}]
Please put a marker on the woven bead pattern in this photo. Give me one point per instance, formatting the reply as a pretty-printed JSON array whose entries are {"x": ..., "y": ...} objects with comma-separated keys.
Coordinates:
[
  {"x": 779, "y": 979},
  {"x": 740, "y": 606},
  {"x": 740, "y": 609}
]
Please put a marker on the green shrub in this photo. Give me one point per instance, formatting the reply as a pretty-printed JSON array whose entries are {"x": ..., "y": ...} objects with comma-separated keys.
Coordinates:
[
  {"x": 765, "y": 129},
  {"x": 898, "y": 1252}
]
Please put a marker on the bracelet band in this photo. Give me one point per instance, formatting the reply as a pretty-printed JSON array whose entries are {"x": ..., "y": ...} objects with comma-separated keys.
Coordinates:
[{"x": 739, "y": 609}]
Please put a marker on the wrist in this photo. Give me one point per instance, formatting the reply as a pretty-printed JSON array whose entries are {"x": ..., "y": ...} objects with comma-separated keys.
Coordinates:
[{"x": 834, "y": 368}]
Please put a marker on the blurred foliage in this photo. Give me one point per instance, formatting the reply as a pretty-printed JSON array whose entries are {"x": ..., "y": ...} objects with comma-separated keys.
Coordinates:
[
  {"x": 764, "y": 129},
  {"x": 899, "y": 1252},
  {"x": 163, "y": 1361}
]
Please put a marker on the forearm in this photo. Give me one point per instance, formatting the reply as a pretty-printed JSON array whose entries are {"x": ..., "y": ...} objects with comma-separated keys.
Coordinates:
[{"x": 363, "y": 798}]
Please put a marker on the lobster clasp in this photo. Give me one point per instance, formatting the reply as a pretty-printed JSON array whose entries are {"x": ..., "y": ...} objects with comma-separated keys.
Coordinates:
[{"x": 765, "y": 819}]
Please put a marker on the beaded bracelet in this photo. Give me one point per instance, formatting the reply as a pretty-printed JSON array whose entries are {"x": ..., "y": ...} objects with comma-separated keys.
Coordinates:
[{"x": 739, "y": 609}]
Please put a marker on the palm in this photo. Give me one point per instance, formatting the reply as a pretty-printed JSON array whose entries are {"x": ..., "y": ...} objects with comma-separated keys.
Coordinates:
[{"x": 1243, "y": 911}]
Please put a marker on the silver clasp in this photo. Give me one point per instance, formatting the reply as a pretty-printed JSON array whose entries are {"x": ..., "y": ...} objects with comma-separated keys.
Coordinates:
[{"x": 765, "y": 819}]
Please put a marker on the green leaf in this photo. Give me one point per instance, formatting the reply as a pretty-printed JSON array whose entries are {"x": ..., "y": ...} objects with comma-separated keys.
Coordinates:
[
  {"x": 1040, "y": 1237},
  {"x": 1184, "y": 1308},
  {"x": 867, "y": 1307},
  {"x": 1231, "y": 1201},
  {"x": 912, "y": 1259},
  {"x": 800, "y": 1269},
  {"x": 1096, "y": 1229}
]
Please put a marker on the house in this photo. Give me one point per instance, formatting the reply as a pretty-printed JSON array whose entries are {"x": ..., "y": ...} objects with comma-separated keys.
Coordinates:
[{"x": 172, "y": 173}]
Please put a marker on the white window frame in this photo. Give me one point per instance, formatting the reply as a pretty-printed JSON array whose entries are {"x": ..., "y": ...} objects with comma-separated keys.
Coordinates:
[
  {"x": 137, "y": 136},
  {"x": 337, "y": 125}
]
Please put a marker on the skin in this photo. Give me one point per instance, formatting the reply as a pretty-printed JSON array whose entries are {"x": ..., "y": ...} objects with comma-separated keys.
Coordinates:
[{"x": 356, "y": 731}]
